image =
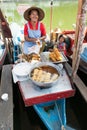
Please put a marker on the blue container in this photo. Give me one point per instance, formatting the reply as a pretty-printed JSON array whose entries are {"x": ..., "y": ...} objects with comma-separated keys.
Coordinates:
[
  {"x": 16, "y": 52},
  {"x": 3, "y": 46},
  {"x": 16, "y": 47}
]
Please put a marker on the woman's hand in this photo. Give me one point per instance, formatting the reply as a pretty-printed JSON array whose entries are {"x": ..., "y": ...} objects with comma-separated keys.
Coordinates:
[
  {"x": 42, "y": 38},
  {"x": 38, "y": 42},
  {"x": 30, "y": 39},
  {"x": 34, "y": 40}
]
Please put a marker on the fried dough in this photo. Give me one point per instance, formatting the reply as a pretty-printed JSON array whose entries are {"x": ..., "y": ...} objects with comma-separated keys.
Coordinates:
[{"x": 55, "y": 55}]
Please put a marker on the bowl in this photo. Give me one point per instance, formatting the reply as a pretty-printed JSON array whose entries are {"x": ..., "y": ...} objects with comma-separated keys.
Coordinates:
[
  {"x": 44, "y": 74},
  {"x": 4, "y": 96}
]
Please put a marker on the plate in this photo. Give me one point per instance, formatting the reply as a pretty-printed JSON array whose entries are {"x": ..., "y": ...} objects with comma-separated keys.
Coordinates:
[
  {"x": 45, "y": 57},
  {"x": 22, "y": 69}
]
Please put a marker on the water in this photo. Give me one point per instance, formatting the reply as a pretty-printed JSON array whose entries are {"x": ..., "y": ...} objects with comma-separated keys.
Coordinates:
[{"x": 63, "y": 12}]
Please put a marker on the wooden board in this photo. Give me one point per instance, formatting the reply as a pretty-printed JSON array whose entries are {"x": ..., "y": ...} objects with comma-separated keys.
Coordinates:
[
  {"x": 78, "y": 82},
  {"x": 6, "y": 107}
]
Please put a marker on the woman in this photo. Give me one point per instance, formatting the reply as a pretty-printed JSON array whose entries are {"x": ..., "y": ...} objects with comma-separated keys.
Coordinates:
[{"x": 34, "y": 30}]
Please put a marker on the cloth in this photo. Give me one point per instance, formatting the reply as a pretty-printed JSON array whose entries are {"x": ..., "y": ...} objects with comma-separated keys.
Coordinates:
[
  {"x": 61, "y": 47},
  {"x": 30, "y": 47}
]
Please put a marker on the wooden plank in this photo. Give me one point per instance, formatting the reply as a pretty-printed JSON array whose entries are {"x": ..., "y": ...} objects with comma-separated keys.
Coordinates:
[
  {"x": 78, "y": 82},
  {"x": 6, "y": 107}
]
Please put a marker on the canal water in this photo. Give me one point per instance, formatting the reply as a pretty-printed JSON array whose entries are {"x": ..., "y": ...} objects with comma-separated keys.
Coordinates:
[{"x": 66, "y": 11}]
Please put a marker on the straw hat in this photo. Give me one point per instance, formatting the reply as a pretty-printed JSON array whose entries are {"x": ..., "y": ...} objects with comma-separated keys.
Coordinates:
[{"x": 40, "y": 11}]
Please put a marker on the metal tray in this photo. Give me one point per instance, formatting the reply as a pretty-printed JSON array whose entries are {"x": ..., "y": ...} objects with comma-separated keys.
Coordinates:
[{"x": 45, "y": 57}]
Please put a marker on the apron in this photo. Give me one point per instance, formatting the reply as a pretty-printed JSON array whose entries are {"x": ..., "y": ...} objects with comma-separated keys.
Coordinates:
[{"x": 30, "y": 47}]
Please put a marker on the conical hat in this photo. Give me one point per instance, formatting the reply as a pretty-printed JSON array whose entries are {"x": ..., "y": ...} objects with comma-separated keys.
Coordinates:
[{"x": 41, "y": 13}]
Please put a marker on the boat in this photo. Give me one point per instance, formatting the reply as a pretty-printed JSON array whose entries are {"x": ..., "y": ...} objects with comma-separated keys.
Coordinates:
[
  {"x": 70, "y": 37},
  {"x": 77, "y": 54},
  {"x": 5, "y": 40},
  {"x": 54, "y": 110}
]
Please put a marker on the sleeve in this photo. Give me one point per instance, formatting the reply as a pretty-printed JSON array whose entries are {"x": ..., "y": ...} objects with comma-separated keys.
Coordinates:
[
  {"x": 43, "y": 29},
  {"x": 25, "y": 29}
]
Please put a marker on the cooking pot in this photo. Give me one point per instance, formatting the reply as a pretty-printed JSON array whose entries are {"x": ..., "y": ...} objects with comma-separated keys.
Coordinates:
[{"x": 47, "y": 68}]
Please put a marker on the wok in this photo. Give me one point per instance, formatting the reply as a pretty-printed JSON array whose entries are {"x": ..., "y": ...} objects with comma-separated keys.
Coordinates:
[{"x": 49, "y": 68}]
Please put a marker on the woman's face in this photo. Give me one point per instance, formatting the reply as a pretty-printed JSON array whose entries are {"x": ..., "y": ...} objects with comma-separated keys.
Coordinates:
[{"x": 34, "y": 16}]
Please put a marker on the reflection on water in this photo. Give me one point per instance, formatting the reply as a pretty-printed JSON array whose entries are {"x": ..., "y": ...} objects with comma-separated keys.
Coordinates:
[{"x": 63, "y": 13}]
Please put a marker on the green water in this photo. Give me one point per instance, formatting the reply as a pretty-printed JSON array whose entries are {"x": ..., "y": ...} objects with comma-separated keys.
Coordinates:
[{"x": 63, "y": 13}]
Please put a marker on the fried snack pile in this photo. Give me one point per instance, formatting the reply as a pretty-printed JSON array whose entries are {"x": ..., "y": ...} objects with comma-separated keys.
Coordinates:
[
  {"x": 31, "y": 57},
  {"x": 55, "y": 55},
  {"x": 42, "y": 76}
]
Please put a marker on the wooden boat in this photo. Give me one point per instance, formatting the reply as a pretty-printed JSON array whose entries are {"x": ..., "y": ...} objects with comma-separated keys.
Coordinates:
[
  {"x": 70, "y": 37},
  {"x": 45, "y": 118},
  {"x": 5, "y": 40},
  {"x": 51, "y": 113},
  {"x": 49, "y": 103}
]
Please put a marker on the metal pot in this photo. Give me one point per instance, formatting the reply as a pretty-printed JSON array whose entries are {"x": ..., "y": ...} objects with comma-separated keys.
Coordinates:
[{"x": 49, "y": 68}]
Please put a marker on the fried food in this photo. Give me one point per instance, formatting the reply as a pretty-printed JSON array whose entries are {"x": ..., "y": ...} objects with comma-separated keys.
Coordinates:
[
  {"x": 47, "y": 77},
  {"x": 52, "y": 56},
  {"x": 54, "y": 77},
  {"x": 40, "y": 75},
  {"x": 43, "y": 76},
  {"x": 55, "y": 55},
  {"x": 35, "y": 73},
  {"x": 31, "y": 57}
]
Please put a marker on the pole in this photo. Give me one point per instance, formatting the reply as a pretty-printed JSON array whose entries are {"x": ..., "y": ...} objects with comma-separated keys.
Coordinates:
[
  {"x": 79, "y": 35},
  {"x": 51, "y": 11}
]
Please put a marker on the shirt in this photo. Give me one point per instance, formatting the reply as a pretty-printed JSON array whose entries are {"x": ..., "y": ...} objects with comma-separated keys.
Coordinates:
[
  {"x": 62, "y": 46},
  {"x": 42, "y": 28}
]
